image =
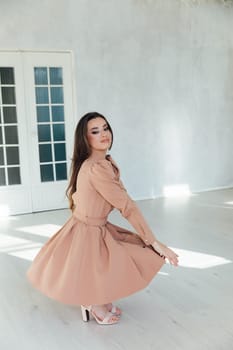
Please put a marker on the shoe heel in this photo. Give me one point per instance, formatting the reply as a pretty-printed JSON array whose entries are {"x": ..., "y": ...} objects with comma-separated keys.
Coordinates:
[{"x": 85, "y": 314}]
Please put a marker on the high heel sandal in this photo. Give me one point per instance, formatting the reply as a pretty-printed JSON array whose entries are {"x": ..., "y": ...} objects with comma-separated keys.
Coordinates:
[
  {"x": 115, "y": 310},
  {"x": 87, "y": 311}
]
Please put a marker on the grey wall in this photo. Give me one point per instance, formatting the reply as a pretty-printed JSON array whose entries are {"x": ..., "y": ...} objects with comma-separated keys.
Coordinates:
[{"x": 161, "y": 70}]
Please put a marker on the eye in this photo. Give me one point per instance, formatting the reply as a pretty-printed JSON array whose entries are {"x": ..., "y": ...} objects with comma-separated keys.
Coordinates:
[
  {"x": 95, "y": 132},
  {"x": 106, "y": 128}
]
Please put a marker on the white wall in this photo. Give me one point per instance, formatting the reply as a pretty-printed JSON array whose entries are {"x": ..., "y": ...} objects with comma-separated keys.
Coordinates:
[{"x": 161, "y": 70}]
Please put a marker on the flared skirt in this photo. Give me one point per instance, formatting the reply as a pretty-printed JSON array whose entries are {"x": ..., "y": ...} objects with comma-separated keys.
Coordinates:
[{"x": 93, "y": 265}]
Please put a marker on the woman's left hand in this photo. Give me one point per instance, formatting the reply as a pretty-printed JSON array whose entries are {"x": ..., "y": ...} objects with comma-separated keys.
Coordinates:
[{"x": 168, "y": 253}]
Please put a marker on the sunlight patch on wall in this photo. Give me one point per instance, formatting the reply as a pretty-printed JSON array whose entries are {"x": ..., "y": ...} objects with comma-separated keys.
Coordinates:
[
  {"x": 181, "y": 190},
  {"x": 191, "y": 259},
  {"x": 4, "y": 210}
]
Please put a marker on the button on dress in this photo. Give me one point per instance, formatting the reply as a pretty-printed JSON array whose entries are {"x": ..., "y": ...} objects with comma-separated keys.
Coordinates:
[{"x": 91, "y": 261}]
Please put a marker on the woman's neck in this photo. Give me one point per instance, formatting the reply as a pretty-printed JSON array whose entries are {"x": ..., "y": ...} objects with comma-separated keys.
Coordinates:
[{"x": 98, "y": 155}]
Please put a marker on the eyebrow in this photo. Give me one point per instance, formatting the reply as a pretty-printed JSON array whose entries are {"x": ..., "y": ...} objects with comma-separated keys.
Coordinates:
[{"x": 96, "y": 128}]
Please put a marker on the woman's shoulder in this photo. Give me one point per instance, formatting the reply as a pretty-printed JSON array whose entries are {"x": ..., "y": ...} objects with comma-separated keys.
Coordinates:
[{"x": 102, "y": 166}]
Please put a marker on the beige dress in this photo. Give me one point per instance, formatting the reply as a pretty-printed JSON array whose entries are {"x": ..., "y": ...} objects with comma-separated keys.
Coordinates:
[{"x": 89, "y": 260}]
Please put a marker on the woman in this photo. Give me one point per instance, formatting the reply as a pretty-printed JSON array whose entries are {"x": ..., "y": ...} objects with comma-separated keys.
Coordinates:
[{"x": 89, "y": 261}]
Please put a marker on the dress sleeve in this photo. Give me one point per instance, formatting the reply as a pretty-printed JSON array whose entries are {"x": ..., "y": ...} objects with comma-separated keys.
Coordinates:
[{"x": 106, "y": 183}]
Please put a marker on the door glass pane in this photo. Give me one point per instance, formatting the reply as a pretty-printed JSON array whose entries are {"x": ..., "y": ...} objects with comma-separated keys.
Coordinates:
[
  {"x": 60, "y": 151},
  {"x": 42, "y": 114},
  {"x": 45, "y": 152},
  {"x": 58, "y": 113},
  {"x": 1, "y": 156},
  {"x": 56, "y": 94},
  {"x": 58, "y": 132},
  {"x": 8, "y": 95},
  {"x": 1, "y": 140},
  {"x": 13, "y": 176},
  {"x": 46, "y": 172},
  {"x": 9, "y": 115},
  {"x": 55, "y": 76},
  {"x": 42, "y": 95},
  {"x": 7, "y": 76},
  {"x": 41, "y": 76},
  {"x": 11, "y": 134},
  {"x": 12, "y": 155},
  {"x": 61, "y": 171},
  {"x": 51, "y": 123},
  {"x": 44, "y": 133},
  {"x": 2, "y": 177}
]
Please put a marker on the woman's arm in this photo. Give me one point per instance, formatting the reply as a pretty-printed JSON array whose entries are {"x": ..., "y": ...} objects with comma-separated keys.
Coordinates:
[
  {"x": 168, "y": 253},
  {"x": 106, "y": 183}
]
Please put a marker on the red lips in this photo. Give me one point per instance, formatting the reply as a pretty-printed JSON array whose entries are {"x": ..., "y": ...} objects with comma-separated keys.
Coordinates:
[{"x": 105, "y": 140}]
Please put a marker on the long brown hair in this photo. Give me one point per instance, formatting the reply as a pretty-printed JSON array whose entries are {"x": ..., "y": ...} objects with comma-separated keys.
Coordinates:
[{"x": 81, "y": 151}]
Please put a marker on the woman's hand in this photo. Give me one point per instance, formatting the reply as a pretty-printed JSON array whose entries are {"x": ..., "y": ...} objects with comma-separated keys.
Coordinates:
[{"x": 162, "y": 249}]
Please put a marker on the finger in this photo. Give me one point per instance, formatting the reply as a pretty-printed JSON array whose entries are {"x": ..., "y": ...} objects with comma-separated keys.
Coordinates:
[{"x": 174, "y": 261}]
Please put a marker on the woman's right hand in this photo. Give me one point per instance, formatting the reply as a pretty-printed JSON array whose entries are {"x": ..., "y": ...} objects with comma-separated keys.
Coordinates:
[{"x": 168, "y": 253}]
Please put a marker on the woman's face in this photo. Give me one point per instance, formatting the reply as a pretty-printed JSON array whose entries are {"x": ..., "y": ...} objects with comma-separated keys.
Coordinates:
[{"x": 98, "y": 134}]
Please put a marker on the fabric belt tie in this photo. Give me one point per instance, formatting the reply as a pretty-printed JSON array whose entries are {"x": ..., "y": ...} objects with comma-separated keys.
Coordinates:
[{"x": 90, "y": 221}]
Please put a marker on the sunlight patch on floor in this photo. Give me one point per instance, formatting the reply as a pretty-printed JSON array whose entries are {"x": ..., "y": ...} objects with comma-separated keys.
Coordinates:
[
  {"x": 191, "y": 259},
  {"x": 24, "y": 248},
  {"x": 27, "y": 249},
  {"x": 45, "y": 230},
  {"x": 6, "y": 219},
  {"x": 19, "y": 247}
]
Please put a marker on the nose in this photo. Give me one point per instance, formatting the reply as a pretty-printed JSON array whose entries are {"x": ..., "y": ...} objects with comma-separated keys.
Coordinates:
[{"x": 104, "y": 132}]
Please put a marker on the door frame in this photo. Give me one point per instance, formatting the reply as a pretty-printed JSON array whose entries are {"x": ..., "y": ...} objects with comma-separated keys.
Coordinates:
[{"x": 31, "y": 193}]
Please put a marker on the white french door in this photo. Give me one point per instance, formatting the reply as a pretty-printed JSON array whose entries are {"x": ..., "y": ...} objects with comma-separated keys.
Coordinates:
[{"x": 36, "y": 130}]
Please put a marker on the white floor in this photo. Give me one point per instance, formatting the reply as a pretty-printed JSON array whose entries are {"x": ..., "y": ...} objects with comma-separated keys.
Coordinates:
[{"x": 190, "y": 307}]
